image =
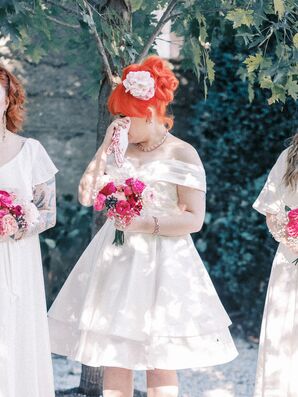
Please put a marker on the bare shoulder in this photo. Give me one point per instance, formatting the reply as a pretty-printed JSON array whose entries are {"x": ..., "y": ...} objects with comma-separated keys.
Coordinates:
[{"x": 184, "y": 151}]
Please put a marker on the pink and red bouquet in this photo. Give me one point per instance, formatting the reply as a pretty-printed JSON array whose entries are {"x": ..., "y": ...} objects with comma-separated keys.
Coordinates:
[
  {"x": 292, "y": 228},
  {"x": 12, "y": 215},
  {"x": 123, "y": 202}
]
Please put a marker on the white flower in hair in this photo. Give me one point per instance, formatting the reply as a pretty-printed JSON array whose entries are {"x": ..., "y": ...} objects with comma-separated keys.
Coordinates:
[{"x": 140, "y": 84}]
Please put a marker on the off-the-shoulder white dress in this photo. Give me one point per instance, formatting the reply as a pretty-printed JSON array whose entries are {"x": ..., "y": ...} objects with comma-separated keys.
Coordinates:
[
  {"x": 278, "y": 350},
  {"x": 25, "y": 355},
  {"x": 149, "y": 303}
]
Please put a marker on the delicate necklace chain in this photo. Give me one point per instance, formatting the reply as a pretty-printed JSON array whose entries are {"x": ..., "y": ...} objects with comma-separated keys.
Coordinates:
[{"x": 152, "y": 147}]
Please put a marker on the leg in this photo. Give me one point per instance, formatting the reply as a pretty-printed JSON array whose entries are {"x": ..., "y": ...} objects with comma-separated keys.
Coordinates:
[
  {"x": 117, "y": 382},
  {"x": 162, "y": 383}
]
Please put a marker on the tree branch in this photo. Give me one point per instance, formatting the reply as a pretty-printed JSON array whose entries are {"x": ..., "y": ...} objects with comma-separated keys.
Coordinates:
[
  {"x": 99, "y": 44},
  {"x": 165, "y": 17},
  {"x": 59, "y": 22}
]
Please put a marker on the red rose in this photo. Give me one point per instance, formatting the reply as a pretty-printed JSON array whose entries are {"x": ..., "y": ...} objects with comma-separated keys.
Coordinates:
[
  {"x": 17, "y": 210},
  {"x": 108, "y": 189},
  {"x": 122, "y": 207},
  {"x": 128, "y": 191}
]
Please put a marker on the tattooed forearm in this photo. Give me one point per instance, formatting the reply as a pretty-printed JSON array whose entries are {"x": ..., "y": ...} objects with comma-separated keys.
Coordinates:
[{"x": 44, "y": 198}]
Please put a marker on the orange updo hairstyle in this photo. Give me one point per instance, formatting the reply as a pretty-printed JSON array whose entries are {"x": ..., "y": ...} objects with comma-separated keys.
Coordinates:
[
  {"x": 15, "y": 112},
  {"x": 121, "y": 102}
]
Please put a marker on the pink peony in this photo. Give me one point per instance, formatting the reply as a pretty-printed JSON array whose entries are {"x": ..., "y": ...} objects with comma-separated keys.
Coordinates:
[
  {"x": 292, "y": 229},
  {"x": 122, "y": 207},
  {"x": 128, "y": 191},
  {"x": 5, "y": 198},
  {"x": 108, "y": 189},
  {"x": 138, "y": 187},
  {"x": 8, "y": 225},
  {"x": 99, "y": 202},
  {"x": 3, "y": 212},
  {"x": 293, "y": 214}
]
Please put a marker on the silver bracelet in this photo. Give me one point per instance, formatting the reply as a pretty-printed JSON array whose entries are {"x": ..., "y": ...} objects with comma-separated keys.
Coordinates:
[{"x": 156, "y": 225}]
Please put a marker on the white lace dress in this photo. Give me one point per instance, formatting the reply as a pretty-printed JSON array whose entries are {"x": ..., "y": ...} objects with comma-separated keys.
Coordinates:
[
  {"x": 149, "y": 303},
  {"x": 278, "y": 350},
  {"x": 25, "y": 360}
]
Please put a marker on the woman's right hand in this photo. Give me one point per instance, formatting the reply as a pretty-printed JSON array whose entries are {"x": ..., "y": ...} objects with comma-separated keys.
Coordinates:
[{"x": 120, "y": 122}]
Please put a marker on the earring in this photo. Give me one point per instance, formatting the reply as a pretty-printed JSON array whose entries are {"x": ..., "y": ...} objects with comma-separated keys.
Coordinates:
[{"x": 4, "y": 126}]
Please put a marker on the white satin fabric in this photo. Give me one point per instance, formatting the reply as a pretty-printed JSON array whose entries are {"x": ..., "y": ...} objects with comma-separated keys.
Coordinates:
[
  {"x": 25, "y": 357},
  {"x": 149, "y": 303},
  {"x": 278, "y": 350}
]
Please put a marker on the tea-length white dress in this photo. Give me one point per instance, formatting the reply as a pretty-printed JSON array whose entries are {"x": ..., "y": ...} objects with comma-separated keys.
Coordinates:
[
  {"x": 149, "y": 303},
  {"x": 278, "y": 350},
  {"x": 25, "y": 360}
]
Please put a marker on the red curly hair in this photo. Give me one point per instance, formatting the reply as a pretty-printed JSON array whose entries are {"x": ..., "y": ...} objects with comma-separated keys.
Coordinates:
[
  {"x": 15, "y": 112},
  {"x": 121, "y": 102}
]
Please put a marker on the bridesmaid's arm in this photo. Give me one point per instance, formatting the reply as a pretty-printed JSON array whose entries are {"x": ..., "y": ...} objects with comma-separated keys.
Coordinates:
[{"x": 44, "y": 198}]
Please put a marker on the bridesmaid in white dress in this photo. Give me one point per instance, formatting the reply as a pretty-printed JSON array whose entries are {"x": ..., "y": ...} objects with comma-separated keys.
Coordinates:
[
  {"x": 149, "y": 304},
  {"x": 25, "y": 169},
  {"x": 278, "y": 350}
]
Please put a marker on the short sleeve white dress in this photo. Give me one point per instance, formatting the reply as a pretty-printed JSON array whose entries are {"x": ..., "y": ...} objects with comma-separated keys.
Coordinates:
[
  {"x": 149, "y": 303},
  {"x": 278, "y": 350},
  {"x": 25, "y": 360}
]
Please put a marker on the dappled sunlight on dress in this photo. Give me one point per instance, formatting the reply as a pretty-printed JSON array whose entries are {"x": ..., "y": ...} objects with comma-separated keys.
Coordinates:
[
  {"x": 278, "y": 350},
  {"x": 149, "y": 303}
]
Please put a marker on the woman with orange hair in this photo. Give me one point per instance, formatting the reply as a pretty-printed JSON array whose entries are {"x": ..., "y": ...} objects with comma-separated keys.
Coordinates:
[
  {"x": 149, "y": 304},
  {"x": 27, "y": 172}
]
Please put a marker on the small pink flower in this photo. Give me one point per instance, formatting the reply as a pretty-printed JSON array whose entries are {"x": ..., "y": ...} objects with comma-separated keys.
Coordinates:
[
  {"x": 5, "y": 198},
  {"x": 9, "y": 225},
  {"x": 122, "y": 207},
  {"x": 99, "y": 202},
  {"x": 17, "y": 210},
  {"x": 108, "y": 189}
]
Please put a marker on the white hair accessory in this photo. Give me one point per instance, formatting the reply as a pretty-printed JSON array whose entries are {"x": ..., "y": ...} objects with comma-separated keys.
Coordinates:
[{"x": 140, "y": 84}]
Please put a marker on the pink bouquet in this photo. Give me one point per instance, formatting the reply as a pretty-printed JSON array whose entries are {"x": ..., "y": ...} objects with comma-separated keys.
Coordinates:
[
  {"x": 12, "y": 215},
  {"x": 292, "y": 228},
  {"x": 123, "y": 202}
]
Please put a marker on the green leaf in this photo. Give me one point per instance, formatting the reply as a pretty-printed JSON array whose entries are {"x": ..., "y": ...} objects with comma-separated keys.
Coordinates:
[
  {"x": 253, "y": 62},
  {"x": 295, "y": 40},
  {"x": 210, "y": 69},
  {"x": 266, "y": 82},
  {"x": 136, "y": 5},
  {"x": 279, "y": 8},
  {"x": 240, "y": 17},
  {"x": 50, "y": 243},
  {"x": 292, "y": 87}
]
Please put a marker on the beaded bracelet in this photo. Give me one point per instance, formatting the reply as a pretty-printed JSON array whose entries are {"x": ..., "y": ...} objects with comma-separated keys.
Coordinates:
[{"x": 156, "y": 225}]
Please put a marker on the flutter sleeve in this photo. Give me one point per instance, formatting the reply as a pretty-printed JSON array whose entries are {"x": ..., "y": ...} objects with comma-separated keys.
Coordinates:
[
  {"x": 43, "y": 206},
  {"x": 43, "y": 168},
  {"x": 184, "y": 174},
  {"x": 270, "y": 197}
]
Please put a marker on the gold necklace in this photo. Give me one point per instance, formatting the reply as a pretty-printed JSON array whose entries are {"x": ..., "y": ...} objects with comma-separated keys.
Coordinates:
[{"x": 152, "y": 147}]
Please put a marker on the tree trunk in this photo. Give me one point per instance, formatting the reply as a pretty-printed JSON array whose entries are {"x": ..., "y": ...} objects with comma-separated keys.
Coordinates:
[{"x": 91, "y": 378}]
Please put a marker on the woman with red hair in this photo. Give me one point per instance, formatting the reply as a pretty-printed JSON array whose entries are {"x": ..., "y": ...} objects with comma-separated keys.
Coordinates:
[
  {"x": 149, "y": 304},
  {"x": 26, "y": 172}
]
